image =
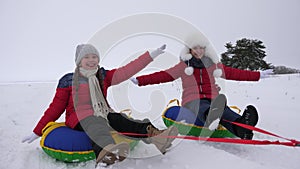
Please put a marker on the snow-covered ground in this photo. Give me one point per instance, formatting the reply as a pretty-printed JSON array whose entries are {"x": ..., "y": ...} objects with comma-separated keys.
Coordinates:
[{"x": 276, "y": 98}]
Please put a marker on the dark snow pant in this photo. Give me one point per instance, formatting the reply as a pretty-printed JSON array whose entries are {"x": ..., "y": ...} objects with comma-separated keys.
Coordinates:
[
  {"x": 201, "y": 108},
  {"x": 99, "y": 130}
]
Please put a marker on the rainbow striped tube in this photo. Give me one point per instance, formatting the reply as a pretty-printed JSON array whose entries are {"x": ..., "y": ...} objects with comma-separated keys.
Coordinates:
[
  {"x": 68, "y": 145},
  {"x": 188, "y": 124}
]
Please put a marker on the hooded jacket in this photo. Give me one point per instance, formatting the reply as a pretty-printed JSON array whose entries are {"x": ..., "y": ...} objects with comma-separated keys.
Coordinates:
[{"x": 199, "y": 83}]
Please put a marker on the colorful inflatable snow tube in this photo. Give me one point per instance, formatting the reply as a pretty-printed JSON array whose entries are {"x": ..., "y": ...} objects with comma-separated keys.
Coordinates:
[
  {"x": 188, "y": 124},
  {"x": 68, "y": 145}
]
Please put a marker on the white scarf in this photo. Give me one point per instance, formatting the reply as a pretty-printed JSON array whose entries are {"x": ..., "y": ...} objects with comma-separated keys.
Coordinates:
[{"x": 98, "y": 101}]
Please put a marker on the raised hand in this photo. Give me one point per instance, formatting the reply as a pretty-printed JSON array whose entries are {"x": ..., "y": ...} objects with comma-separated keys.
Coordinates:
[{"x": 158, "y": 51}]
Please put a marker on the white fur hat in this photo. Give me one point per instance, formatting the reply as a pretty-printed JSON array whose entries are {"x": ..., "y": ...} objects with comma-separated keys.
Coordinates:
[{"x": 199, "y": 40}]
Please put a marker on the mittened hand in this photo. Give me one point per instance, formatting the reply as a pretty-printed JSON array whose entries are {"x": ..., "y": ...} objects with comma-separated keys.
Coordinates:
[
  {"x": 134, "y": 81},
  {"x": 158, "y": 51},
  {"x": 30, "y": 138},
  {"x": 266, "y": 73}
]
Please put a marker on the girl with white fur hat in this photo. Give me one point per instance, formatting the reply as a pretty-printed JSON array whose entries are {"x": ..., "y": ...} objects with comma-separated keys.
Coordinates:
[{"x": 198, "y": 68}]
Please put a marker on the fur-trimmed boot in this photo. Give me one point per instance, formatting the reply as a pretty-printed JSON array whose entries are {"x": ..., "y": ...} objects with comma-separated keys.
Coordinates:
[
  {"x": 249, "y": 117},
  {"x": 113, "y": 153},
  {"x": 160, "y": 138}
]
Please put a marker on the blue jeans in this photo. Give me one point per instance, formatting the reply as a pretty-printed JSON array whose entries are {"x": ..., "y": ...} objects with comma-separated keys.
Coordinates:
[{"x": 201, "y": 108}]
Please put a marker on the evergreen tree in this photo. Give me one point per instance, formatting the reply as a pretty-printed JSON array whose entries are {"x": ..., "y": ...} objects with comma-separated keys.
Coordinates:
[{"x": 247, "y": 54}]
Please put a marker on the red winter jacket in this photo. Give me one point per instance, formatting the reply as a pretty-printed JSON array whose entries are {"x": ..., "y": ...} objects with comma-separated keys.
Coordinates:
[
  {"x": 199, "y": 85},
  {"x": 63, "y": 100}
]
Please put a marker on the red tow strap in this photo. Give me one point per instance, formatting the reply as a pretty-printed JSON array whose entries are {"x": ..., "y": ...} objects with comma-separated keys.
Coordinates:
[{"x": 289, "y": 142}]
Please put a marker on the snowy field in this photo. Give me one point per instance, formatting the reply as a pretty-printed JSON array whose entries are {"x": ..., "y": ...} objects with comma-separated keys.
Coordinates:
[{"x": 277, "y": 100}]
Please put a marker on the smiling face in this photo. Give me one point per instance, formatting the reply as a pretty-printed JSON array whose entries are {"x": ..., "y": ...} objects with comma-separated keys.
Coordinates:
[
  {"x": 89, "y": 62},
  {"x": 198, "y": 51}
]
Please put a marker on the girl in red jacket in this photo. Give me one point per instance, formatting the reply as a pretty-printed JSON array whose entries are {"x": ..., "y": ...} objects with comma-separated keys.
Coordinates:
[
  {"x": 82, "y": 95},
  {"x": 197, "y": 69}
]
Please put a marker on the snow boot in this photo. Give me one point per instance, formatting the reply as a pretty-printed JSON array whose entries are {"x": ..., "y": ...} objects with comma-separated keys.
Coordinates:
[
  {"x": 160, "y": 137},
  {"x": 249, "y": 117},
  {"x": 215, "y": 112},
  {"x": 112, "y": 153}
]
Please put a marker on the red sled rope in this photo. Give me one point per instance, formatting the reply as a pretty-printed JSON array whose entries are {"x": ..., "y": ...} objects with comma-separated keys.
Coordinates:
[
  {"x": 292, "y": 141},
  {"x": 289, "y": 142}
]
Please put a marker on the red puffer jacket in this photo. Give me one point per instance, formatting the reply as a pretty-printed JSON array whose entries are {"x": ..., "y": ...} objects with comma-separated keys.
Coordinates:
[
  {"x": 199, "y": 85},
  {"x": 63, "y": 100}
]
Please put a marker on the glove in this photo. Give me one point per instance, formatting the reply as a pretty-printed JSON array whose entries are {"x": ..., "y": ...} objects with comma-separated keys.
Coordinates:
[
  {"x": 134, "y": 81},
  {"x": 266, "y": 73},
  {"x": 30, "y": 138},
  {"x": 158, "y": 51}
]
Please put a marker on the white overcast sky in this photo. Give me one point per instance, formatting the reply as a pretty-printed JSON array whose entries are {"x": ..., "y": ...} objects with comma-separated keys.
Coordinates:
[{"x": 38, "y": 37}]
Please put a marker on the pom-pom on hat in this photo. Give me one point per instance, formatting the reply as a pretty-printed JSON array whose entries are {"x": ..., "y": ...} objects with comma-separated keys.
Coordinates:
[{"x": 84, "y": 49}]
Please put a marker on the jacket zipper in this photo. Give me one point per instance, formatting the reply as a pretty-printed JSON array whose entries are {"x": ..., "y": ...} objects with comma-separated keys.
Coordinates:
[{"x": 201, "y": 81}]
